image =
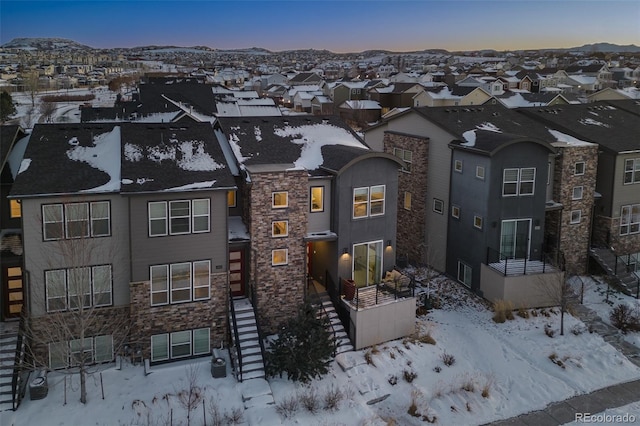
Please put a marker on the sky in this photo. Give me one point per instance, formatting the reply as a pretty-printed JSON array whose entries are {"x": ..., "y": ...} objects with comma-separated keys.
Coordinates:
[{"x": 339, "y": 26}]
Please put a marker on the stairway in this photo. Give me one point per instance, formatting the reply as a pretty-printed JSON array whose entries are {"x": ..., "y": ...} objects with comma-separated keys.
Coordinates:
[
  {"x": 8, "y": 343},
  {"x": 249, "y": 341},
  {"x": 325, "y": 308},
  {"x": 626, "y": 281}
]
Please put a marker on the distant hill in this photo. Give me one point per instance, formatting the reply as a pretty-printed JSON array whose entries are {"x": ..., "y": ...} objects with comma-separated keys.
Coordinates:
[
  {"x": 607, "y": 47},
  {"x": 45, "y": 43}
]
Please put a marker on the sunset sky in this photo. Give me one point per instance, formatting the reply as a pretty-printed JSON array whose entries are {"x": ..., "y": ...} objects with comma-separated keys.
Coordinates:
[{"x": 339, "y": 26}]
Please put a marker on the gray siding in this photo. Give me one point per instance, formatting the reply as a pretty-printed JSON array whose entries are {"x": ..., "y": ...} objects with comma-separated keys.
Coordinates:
[
  {"x": 147, "y": 251},
  {"x": 623, "y": 195},
  {"x": 41, "y": 255},
  {"x": 320, "y": 221}
]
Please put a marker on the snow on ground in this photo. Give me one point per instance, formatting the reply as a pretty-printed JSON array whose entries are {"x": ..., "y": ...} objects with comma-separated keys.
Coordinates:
[{"x": 499, "y": 371}]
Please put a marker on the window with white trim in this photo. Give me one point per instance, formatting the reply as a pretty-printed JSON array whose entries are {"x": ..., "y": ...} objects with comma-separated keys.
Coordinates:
[
  {"x": 457, "y": 166},
  {"x": 477, "y": 222},
  {"x": 179, "y": 217},
  {"x": 231, "y": 198},
  {"x": 577, "y": 193},
  {"x": 317, "y": 199},
  {"x": 438, "y": 206},
  {"x": 578, "y": 169},
  {"x": 455, "y": 212},
  {"x": 632, "y": 171},
  {"x": 76, "y": 220},
  {"x": 630, "y": 219},
  {"x": 279, "y": 257},
  {"x": 464, "y": 273},
  {"x": 406, "y": 156},
  {"x": 180, "y": 282},
  {"x": 180, "y": 344},
  {"x": 406, "y": 203},
  {"x": 279, "y": 200},
  {"x": 517, "y": 182},
  {"x": 75, "y": 288},
  {"x": 279, "y": 228},
  {"x": 576, "y": 215},
  {"x": 93, "y": 350},
  {"x": 480, "y": 172},
  {"x": 368, "y": 201}
]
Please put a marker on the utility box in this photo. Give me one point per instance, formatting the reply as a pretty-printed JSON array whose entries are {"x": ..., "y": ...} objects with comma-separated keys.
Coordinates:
[
  {"x": 218, "y": 368},
  {"x": 39, "y": 388}
]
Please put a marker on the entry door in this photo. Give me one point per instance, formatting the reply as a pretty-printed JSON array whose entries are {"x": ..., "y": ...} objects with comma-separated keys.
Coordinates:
[
  {"x": 514, "y": 238},
  {"x": 236, "y": 272},
  {"x": 14, "y": 296}
]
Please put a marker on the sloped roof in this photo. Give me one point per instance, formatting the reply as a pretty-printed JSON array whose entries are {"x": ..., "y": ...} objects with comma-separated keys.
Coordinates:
[
  {"x": 306, "y": 142},
  {"x": 603, "y": 123},
  {"x": 8, "y": 135},
  {"x": 121, "y": 158},
  {"x": 488, "y": 141}
]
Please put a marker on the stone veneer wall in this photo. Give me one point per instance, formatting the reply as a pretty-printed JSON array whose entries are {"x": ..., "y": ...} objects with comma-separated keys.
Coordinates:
[
  {"x": 147, "y": 320},
  {"x": 46, "y": 329},
  {"x": 279, "y": 290},
  {"x": 411, "y": 231},
  {"x": 575, "y": 238}
]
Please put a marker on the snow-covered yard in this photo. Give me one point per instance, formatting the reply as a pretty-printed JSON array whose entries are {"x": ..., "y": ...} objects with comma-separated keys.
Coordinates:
[{"x": 496, "y": 371}]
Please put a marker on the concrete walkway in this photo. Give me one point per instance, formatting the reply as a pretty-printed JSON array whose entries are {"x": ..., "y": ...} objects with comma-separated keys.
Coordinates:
[{"x": 559, "y": 413}]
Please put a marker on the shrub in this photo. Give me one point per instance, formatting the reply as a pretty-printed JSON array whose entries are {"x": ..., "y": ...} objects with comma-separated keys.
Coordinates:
[
  {"x": 503, "y": 310},
  {"x": 447, "y": 359},
  {"x": 234, "y": 417},
  {"x": 369, "y": 358},
  {"x": 523, "y": 313},
  {"x": 332, "y": 398},
  {"x": 409, "y": 376},
  {"x": 578, "y": 329},
  {"x": 393, "y": 380},
  {"x": 310, "y": 401},
  {"x": 288, "y": 407},
  {"x": 548, "y": 330},
  {"x": 468, "y": 385},
  {"x": 303, "y": 349},
  {"x": 437, "y": 369},
  {"x": 625, "y": 318}
]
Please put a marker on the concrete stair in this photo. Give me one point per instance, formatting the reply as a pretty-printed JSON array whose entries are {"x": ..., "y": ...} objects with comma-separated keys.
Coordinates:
[
  {"x": 325, "y": 308},
  {"x": 8, "y": 346},
  {"x": 615, "y": 267}
]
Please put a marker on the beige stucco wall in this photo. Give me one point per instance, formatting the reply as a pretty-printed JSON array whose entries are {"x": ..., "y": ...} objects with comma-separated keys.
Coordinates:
[
  {"x": 381, "y": 323},
  {"x": 523, "y": 291}
]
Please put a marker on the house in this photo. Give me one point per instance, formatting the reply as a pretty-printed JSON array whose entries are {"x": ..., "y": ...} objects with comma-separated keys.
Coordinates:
[
  {"x": 319, "y": 207},
  {"x": 321, "y": 105},
  {"x": 359, "y": 113},
  {"x": 305, "y": 79},
  {"x": 13, "y": 141},
  {"x": 396, "y": 95},
  {"x": 135, "y": 236},
  {"x": 527, "y": 99},
  {"x": 451, "y": 96},
  {"x": 436, "y": 188}
]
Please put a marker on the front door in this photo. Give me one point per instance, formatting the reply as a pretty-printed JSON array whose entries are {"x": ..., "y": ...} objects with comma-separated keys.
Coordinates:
[
  {"x": 13, "y": 296},
  {"x": 514, "y": 238},
  {"x": 236, "y": 272}
]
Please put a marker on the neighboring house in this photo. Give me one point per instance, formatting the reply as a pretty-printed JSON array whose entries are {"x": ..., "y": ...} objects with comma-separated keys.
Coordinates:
[
  {"x": 13, "y": 140},
  {"x": 318, "y": 206},
  {"x": 321, "y": 105},
  {"x": 147, "y": 205},
  {"x": 396, "y": 95},
  {"x": 360, "y": 113},
  {"x": 610, "y": 94},
  {"x": 305, "y": 79},
  {"x": 348, "y": 91},
  {"x": 526, "y": 99},
  {"x": 451, "y": 96}
]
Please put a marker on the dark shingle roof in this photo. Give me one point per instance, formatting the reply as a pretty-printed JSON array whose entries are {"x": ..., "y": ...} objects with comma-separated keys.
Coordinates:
[
  {"x": 8, "y": 135},
  {"x": 282, "y": 140},
  {"x": 489, "y": 142},
  {"x": 600, "y": 122}
]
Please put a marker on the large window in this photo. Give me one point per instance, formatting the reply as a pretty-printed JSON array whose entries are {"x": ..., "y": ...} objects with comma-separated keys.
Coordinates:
[
  {"x": 632, "y": 171},
  {"x": 518, "y": 181},
  {"x": 317, "y": 199},
  {"x": 368, "y": 201},
  {"x": 180, "y": 282},
  {"x": 406, "y": 156},
  {"x": 76, "y": 288},
  {"x": 630, "y": 219},
  {"x": 92, "y": 349},
  {"x": 367, "y": 263},
  {"x": 179, "y": 217},
  {"x": 76, "y": 220},
  {"x": 180, "y": 344}
]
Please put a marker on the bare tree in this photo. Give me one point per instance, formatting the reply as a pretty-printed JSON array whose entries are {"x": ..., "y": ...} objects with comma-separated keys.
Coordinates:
[
  {"x": 47, "y": 109},
  {"x": 31, "y": 81},
  {"x": 557, "y": 290},
  {"x": 73, "y": 324}
]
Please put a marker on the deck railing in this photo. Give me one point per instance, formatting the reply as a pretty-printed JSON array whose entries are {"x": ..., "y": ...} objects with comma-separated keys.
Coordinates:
[{"x": 508, "y": 265}]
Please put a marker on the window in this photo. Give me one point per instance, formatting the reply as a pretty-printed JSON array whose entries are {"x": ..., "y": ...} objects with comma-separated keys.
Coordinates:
[
  {"x": 480, "y": 172},
  {"x": 279, "y": 200},
  {"x": 577, "y": 193},
  {"x": 477, "y": 221},
  {"x": 457, "y": 166},
  {"x": 367, "y": 263},
  {"x": 90, "y": 349},
  {"x": 632, "y": 171},
  {"x": 368, "y": 201},
  {"x": 575, "y": 216},
  {"x": 180, "y": 344},
  {"x": 15, "y": 208},
  {"x": 231, "y": 198},
  {"x": 317, "y": 198},
  {"x": 455, "y": 212},
  {"x": 179, "y": 217},
  {"x": 518, "y": 181},
  {"x": 407, "y": 201},
  {"x": 406, "y": 156},
  {"x": 464, "y": 273},
  {"x": 279, "y": 229},
  {"x": 630, "y": 219},
  {"x": 76, "y": 220},
  {"x": 279, "y": 257},
  {"x": 76, "y": 288},
  {"x": 579, "y": 168},
  {"x": 180, "y": 282},
  {"x": 438, "y": 206}
]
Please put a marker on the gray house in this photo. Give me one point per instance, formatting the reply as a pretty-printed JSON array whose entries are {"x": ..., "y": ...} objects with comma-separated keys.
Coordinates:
[{"x": 124, "y": 225}]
